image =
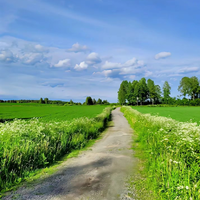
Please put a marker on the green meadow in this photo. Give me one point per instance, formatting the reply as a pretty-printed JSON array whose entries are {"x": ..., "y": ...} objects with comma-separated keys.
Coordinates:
[
  {"x": 181, "y": 114},
  {"x": 169, "y": 150},
  {"x": 47, "y": 112},
  {"x": 36, "y": 136}
]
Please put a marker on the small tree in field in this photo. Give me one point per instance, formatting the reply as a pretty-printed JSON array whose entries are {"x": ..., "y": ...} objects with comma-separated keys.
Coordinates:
[
  {"x": 88, "y": 101},
  {"x": 94, "y": 102},
  {"x": 41, "y": 100},
  {"x": 99, "y": 101},
  {"x": 46, "y": 100},
  {"x": 71, "y": 102}
]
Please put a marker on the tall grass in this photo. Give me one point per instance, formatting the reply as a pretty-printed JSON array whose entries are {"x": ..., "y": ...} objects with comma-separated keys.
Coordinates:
[
  {"x": 32, "y": 144},
  {"x": 172, "y": 152}
]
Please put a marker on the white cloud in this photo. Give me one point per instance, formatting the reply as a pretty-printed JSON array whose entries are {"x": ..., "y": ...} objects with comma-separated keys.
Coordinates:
[
  {"x": 130, "y": 63},
  {"x": 35, "y": 48},
  {"x": 188, "y": 70},
  {"x": 148, "y": 73},
  {"x": 93, "y": 58},
  {"x": 63, "y": 63},
  {"x": 162, "y": 55},
  {"x": 111, "y": 65},
  {"x": 81, "y": 66},
  {"x": 6, "y": 56},
  {"x": 31, "y": 58},
  {"x": 78, "y": 48}
]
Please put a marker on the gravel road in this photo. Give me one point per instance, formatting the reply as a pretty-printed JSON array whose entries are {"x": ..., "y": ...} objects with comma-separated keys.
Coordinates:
[{"x": 96, "y": 174}]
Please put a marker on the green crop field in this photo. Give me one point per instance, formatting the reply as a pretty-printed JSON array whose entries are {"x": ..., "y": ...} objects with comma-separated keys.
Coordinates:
[
  {"x": 26, "y": 145},
  {"x": 47, "y": 112},
  {"x": 182, "y": 114}
]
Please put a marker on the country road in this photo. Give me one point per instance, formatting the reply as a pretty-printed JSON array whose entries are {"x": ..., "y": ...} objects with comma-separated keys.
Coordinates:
[{"x": 96, "y": 174}]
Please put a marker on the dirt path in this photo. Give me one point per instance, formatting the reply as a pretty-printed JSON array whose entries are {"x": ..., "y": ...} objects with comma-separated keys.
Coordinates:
[{"x": 99, "y": 173}]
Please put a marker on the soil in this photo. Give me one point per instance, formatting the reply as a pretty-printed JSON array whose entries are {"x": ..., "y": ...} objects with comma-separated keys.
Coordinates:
[{"x": 100, "y": 173}]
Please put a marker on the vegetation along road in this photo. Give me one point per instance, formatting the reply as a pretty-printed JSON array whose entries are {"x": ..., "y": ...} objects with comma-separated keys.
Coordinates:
[{"x": 98, "y": 173}]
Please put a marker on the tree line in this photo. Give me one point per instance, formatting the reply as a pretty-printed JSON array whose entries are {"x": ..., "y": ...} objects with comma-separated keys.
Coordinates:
[
  {"x": 147, "y": 92},
  {"x": 88, "y": 101}
]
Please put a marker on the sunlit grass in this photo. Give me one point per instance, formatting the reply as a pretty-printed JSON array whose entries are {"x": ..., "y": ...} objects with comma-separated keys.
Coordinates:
[
  {"x": 48, "y": 112},
  {"x": 181, "y": 113},
  {"x": 26, "y": 145},
  {"x": 172, "y": 154}
]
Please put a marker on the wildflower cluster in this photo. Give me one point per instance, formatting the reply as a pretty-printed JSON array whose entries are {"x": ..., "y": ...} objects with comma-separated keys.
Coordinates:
[
  {"x": 173, "y": 154},
  {"x": 32, "y": 144}
]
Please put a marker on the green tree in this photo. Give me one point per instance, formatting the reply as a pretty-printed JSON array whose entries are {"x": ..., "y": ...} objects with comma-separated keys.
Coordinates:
[
  {"x": 152, "y": 89},
  {"x": 158, "y": 92},
  {"x": 185, "y": 86},
  {"x": 94, "y": 102},
  {"x": 122, "y": 93},
  {"x": 166, "y": 91},
  {"x": 46, "y": 100},
  {"x": 99, "y": 101},
  {"x": 143, "y": 90},
  {"x": 194, "y": 87},
  {"x": 41, "y": 100},
  {"x": 71, "y": 102},
  {"x": 88, "y": 101},
  {"x": 189, "y": 86}
]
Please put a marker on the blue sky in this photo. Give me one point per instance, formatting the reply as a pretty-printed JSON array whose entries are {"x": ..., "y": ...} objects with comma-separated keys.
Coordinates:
[{"x": 70, "y": 49}]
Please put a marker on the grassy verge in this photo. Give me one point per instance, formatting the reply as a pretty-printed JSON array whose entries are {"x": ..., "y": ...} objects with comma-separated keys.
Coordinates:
[
  {"x": 26, "y": 146},
  {"x": 169, "y": 154}
]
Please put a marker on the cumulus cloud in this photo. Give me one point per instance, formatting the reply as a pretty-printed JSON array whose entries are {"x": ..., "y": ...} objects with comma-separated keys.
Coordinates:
[
  {"x": 93, "y": 58},
  {"x": 63, "y": 63},
  {"x": 6, "y": 56},
  {"x": 81, "y": 66},
  {"x": 111, "y": 65},
  {"x": 162, "y": 55},
  {"x": 78, "y": 48}
]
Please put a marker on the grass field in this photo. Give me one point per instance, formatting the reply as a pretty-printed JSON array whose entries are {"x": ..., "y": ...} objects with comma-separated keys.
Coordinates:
[
  {"x": 27, "y": 145},
  {"x": 182, "y": 114},
  {"x": 48, "y": 112},
  {"x": 169, "y": 149}
]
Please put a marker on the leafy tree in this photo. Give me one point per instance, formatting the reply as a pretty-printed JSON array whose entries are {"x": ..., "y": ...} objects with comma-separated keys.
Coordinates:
[
  {"x": 158, "y": 92},
  {"x": 94, "y": 102},
  {"x": 130, "y": 96},
  {"x": 99, "y": 101},
  {"x": 46, "y": 100},
  {"x": 185, "y": 86},
  {"x": 105, "y": 102},
  {"x": 71, "y": 102},
  {"x": 152, "y": 89},
  {"x": 122, "y": 93},
  {"x": 166, "y": 91},
  {"x": 143, "y": 90},
  {"x": 41, "y": 100},
  {"x": 88, "y": 101},
  {"x": 189, "y": 86},
  {"x": 194, "y": 86}
]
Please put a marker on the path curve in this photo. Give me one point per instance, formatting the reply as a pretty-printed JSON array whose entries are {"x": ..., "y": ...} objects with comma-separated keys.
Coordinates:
[{"x": 99, "y": 173}]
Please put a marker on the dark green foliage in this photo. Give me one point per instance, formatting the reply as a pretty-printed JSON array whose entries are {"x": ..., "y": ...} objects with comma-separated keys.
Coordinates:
[
  {"x": 122, "y": 93},
  {"x": 46, "y": 100},
  {"x": 94, "y": 102},
  {"x": 88, "y": 101},
  {"x": 41, "y": 101},
  {"x": 99, "y": 101}
]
